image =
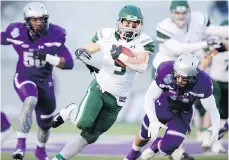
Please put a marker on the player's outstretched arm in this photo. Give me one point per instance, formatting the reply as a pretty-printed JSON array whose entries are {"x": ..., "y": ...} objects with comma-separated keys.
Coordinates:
[{"x": 210, "y": 105}]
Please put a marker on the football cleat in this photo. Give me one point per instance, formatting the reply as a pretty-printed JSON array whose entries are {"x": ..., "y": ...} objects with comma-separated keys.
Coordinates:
[
  {"x": 133, "y": 155},
  {"x": 40, "y": 153},
  {"x": 148, "y": 154},
  {"x": 20, "y": 149},
  {"x": 57, "y": 121}
]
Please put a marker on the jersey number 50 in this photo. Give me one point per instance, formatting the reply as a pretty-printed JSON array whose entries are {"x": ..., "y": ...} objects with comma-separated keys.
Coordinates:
[{"x": 29, "y": 61}]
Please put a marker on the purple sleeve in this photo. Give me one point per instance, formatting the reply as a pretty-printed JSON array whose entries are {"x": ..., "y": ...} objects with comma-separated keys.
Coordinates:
[
  {"x": 6, "y": 34},
  {"x": 163, "y": 70},
  {"x": 65, "y": 53}
]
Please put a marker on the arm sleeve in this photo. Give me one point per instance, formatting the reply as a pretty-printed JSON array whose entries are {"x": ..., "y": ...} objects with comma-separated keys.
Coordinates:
[
  {"x": 209, "y": 105},
  {"x": 63, "y": 52},
  {"x": 152, "y": 94},
  {"x": 6, "y": 34},
  {"x": 138, "y": 67},
  {"x": 178, "y": 48},
  {"x": 221, "y": 31}
]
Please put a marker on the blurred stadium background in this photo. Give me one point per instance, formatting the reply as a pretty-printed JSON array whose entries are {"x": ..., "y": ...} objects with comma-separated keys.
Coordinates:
[{"x": 82, "y": 19}]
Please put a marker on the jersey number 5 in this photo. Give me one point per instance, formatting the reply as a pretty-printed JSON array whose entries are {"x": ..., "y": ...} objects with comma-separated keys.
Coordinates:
[
  {"x": 29, "y": 61},
  {"x": 123, "y": 70}
]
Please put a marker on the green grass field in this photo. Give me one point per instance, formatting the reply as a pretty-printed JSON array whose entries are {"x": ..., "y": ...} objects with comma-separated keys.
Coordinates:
[
  {"x": 30, "y": 156},
  {"x": 117, "y": 129}
]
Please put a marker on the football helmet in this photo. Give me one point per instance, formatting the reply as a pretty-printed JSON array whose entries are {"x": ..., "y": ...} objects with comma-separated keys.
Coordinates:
[
  {"x": 129, "y": 13},
  {"x": 180, "y": 12},
  {"x": 186, "y": 67},
  {"x": 36, "y": 10}
]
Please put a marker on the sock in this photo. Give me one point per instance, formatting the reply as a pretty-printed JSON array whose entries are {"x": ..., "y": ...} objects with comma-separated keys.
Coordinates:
[
  {"x": 59, "y": 157},
  {"x": 154, "y": 146},
  {"x": 136, "y": 148},
  {"x": 73, "y": 148}
]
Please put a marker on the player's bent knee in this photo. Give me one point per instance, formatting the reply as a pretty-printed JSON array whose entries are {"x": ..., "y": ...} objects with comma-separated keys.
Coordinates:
[
  {"x": 90, "y": 137},
  {"x": 85, "y": 124},
  {"x": 45, "y": 123}
]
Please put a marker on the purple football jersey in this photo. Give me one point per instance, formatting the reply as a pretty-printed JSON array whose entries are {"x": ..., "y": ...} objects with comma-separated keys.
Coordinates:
[
  {"x": 52, "y": 43},
  {"x": 174, "y": 98}
]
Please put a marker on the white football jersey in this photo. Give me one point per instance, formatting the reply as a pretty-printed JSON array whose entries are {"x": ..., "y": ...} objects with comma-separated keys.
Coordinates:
[
  {"x": 219, "y": 67},
  {"x": 113, "y": 78},
  {"x": 167, "y": 29}
]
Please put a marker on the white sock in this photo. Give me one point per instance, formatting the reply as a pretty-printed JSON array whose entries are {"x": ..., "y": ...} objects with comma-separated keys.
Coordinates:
[
  {"x": 21, "y": 135},
  {"x": 69, "y": 113},
  {"x": 40, "y": 144},
  {"x": 73, "y": 148},
  {"x": 136, "y": 148}
]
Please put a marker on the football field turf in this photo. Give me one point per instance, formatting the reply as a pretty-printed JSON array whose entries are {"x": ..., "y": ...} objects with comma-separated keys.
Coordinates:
[{"x": 113, "y": 145}]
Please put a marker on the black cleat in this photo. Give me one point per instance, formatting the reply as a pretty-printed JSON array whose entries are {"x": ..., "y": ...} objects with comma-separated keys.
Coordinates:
[
  {"x": 186, "y": 156},
  {"x": 57, "y": 121},
  {"x": 18, "y": 155}
]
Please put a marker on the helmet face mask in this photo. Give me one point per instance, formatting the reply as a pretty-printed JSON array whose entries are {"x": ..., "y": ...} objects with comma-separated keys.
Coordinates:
[
  {"x": 36, "y": 17},
  {"x": 181, "y": 19},
  {"x": 185, "y": 70},
  {"x": 180, "y": 13},
  {"x": 129, "y": 22},
  {"x": 129, "y": 29}
]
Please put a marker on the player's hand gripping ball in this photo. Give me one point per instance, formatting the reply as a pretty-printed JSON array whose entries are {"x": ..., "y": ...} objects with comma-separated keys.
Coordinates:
[{"x": 117, "y": 50}]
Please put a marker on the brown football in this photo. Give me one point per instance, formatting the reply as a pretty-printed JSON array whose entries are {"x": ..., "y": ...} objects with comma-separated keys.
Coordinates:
[{"x": 127, "y": 52}]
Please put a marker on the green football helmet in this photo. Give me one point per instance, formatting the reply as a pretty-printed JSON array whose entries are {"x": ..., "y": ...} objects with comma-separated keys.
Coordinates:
[
  {"x": 180, "y": 12},
  {"x": 129, "y": 13}
]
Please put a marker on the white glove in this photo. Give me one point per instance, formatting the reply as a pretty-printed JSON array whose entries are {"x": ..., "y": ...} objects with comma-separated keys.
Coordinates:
[
  {"x": 214, "y": 135},
  {"x": 154, "y": 127}
]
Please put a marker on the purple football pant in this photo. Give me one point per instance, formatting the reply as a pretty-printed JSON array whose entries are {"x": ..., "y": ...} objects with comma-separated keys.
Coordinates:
[
  {"x": 43, "y": 89},
  {"x": 5, "y": 124},
  {"x": 178, "y": 126}
]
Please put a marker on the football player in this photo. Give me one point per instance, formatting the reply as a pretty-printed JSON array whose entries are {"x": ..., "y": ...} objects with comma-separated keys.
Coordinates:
[
  {"x": 107, "y": 94},
  {"x": 183, "y": 32},
  {"x": 39, "y": 46},
  {"x": 169, "y": 99},
  {"x": 6, "y": 128},
  {"x": 217, "y": 61}
]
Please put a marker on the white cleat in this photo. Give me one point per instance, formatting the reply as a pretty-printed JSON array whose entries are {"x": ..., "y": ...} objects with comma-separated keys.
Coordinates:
[
  {"x": 147, "y": 154},
  {"x": 66, "y": 111},
  {"x": 217, "y": 147},
  {"x": 6, "y": 134}
]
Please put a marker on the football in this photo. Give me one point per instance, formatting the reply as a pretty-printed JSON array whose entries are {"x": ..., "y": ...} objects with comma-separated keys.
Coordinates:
[{"x": 127, "y": 52}]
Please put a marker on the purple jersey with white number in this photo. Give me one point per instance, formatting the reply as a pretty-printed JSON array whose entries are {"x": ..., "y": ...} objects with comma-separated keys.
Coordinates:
[
  {"x": 52, "y": 43},
  {"x": 176, "y": 99}
]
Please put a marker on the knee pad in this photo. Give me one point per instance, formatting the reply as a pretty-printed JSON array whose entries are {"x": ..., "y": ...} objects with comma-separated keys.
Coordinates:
[
  {"x": 170, "y": 142},
  {"x": 90, "y": 137},
  {"x": 84, "y": 124},
  {"x": 44, "y": 123}
]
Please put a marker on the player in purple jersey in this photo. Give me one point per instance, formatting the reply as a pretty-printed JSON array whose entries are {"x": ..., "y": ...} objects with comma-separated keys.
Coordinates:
[
  {"x": 6, "y": 128},
  {"x": 40, "y": 46},
  {"x": 169, "y": 100}
]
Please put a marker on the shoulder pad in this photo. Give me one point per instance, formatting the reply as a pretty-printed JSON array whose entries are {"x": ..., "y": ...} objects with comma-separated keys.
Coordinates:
[
  {"x": 105, "y": 33},
  {"x": 144, "y": 39},
  {"x": 204, "y": 85},
  {"x": 57, "y": 29},
  {"x": 200, "y": 18},
  {"x": 167, "y": 27}
]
